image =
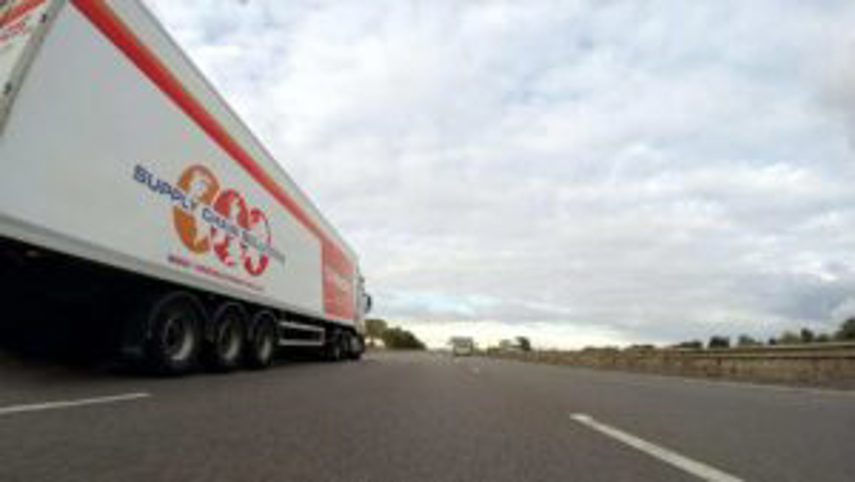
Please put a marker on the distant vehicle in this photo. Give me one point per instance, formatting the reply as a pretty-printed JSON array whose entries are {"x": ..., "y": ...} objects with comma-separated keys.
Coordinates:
[
  {"x": 462, "y": 346},
  {"x": 509, "y": 346},
  {"x": 130, "y": 184}
]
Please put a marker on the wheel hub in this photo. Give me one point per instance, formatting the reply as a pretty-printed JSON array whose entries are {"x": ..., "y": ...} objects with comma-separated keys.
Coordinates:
[
  {"x": 229, "y": 340},
  {"x": 177, "y": 338}
]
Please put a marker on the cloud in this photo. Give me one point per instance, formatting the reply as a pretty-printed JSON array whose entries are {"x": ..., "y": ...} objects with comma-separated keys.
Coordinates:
[
  {"x": 839, "y": 93},
  {"x": 624, "y": 171}
]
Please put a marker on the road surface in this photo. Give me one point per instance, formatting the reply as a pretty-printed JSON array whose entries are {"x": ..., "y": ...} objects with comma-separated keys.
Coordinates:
[{"x": 415, "y": 417}]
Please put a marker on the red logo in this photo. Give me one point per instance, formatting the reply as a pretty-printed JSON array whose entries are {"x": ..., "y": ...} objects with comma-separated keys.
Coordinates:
[{"x": 212, "y": 219}]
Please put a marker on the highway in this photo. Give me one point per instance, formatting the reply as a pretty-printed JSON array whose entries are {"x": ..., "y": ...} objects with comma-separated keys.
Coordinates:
[{"x": 415, "y": 417}]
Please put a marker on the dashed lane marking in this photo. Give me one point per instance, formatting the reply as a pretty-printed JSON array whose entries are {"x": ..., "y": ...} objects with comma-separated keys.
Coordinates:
[
  {"x": 58, "y": 404},
  {"x": 698, "y": 469}
]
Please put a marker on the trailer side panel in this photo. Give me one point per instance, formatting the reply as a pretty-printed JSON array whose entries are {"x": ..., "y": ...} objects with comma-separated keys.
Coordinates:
[{"x": 116, "y": 157}]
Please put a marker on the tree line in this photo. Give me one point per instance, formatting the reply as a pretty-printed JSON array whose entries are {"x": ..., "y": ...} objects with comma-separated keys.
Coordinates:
[
  {"x": 393, "y": 338},
  {"x": 846, "y": 332}
]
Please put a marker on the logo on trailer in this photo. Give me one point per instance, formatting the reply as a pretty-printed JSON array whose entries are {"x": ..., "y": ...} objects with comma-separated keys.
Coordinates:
[
  {"x": 210, "y": 219},
  {"x": 200, "y": 187}
]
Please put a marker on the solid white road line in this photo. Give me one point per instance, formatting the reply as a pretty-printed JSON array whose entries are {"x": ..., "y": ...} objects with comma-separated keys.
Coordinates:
[
  {"x": 38, "y": 407},
  {"x": 698, "y": 469}
]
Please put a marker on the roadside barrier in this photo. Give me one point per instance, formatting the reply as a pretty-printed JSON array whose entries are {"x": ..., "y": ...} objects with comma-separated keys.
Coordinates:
[{"x": 813, "y": 364}]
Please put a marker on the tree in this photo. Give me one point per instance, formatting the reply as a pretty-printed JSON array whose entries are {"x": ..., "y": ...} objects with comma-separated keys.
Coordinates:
[
  {"x": 396, "y": 338},
  {"x": 374, "y": 329},
  {"x": 847, "y": 330},
  {"x": 691, "y": 345},
  {"x": 745, "y": 340},
  {"x": 718, "y": 342},
  {"x": 807, "y": 335},
  {"x": 641, "y": 347},
  {"x": 789, "y": 338},
  {"x": 524, "y": 343}
]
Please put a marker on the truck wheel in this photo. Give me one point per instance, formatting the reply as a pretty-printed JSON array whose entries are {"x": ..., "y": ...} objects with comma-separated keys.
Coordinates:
[
  {"x": 261, "y": 343},
  {"x": 357, "y": 347},
  {"x": 174, "y": 335},
  {"x": 335, "y": 349},
  {"x": 225, "y": 340}
]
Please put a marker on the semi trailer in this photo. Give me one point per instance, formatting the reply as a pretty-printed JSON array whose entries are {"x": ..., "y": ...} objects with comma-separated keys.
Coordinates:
[{"x": 129, "y": 186}]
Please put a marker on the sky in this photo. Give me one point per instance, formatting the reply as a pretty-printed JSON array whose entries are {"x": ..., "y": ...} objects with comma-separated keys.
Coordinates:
[{"x": 578, "y": 172}]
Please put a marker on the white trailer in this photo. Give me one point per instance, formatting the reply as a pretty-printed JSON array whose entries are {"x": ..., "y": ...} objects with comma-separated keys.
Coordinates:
[{"x": 128, "y": 182}]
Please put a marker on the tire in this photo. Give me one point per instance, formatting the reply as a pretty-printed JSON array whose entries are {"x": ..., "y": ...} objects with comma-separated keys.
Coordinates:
[
  {"x": 174, "y": 334},
  {"x": 357, "y": 347},
  {"x": 224, "y": 344},
  {"x": 335, "y": 349},
  {"x": 261, "y": 342}
]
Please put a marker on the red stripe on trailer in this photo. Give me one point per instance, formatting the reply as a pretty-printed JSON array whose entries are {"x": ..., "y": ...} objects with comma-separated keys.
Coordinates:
[
  {"x": 337, "y": 303},
  {"x": 19, "y": 10}
]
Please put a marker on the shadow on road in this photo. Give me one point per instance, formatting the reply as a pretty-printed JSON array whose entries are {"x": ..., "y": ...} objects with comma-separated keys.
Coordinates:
[{"x": 50, "y": 343}]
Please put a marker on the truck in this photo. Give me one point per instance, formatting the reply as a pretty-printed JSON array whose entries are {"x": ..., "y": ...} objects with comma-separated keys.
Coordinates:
[
  {"x": 129, "y": 188},
  {"x": 462, "y": 346}
]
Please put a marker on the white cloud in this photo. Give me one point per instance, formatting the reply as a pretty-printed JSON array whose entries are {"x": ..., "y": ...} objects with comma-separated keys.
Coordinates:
[{"x": 599, "y": 171}]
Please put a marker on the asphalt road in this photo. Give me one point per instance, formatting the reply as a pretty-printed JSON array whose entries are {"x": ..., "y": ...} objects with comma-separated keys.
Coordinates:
[{"x": 415, "y": 417}]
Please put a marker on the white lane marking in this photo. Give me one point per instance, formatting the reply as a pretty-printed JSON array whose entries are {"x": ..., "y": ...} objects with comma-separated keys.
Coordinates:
[
  {"x": 38, "y": 407},
  {"x": 698, "y": 469},
  {"x": 476, "y": 370}
]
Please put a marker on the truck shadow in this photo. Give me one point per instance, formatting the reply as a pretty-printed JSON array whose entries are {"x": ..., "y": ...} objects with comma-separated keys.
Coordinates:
[
  {"x": 50, "y": 336},
  {"x": 46, "y": 365},
  {"x": 84, "y": 348}
]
